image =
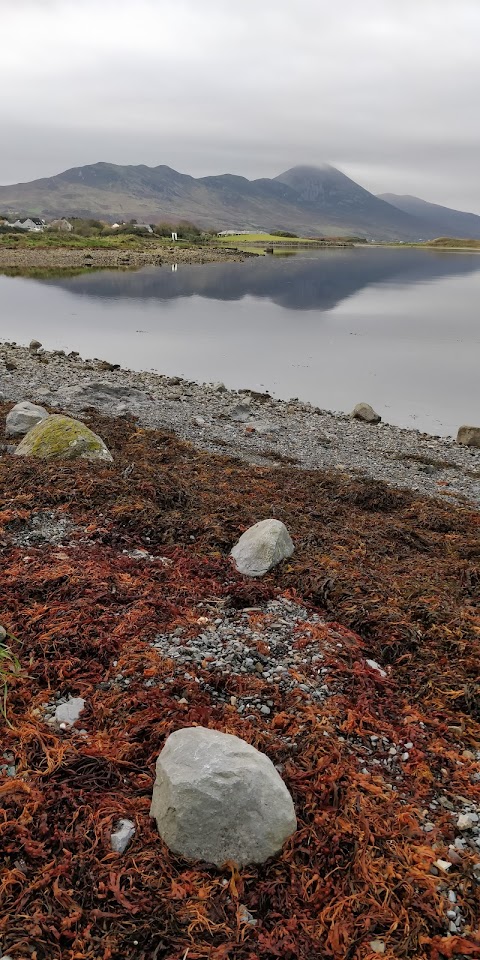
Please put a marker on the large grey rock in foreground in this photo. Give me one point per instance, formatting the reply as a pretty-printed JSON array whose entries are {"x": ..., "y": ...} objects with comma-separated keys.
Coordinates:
[
  {"x": 363, "y": 411},
  {"x": 261, "y": 547},
  {"x": 469, "y": 436},
  {"x": 22, "y": 417},
  {"x": 216, "y": 798},
  {"x": 62, "y": 438}
]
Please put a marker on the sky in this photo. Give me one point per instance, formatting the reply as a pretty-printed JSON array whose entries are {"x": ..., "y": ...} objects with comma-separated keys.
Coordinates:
[{"x": 387, "y": 90}]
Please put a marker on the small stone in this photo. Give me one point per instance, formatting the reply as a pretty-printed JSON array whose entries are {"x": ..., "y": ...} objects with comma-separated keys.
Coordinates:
[
  {"x": 377, "y": 946},
  {"x": 265, "y": 710},
  {"x": 245, "y": 916},
  {"x": 262, "y": 427},
  {"x": 34, "y": 345},
  {"x": 241, "y": 412},
  {"x": 467, "y": 820},
  {"x": 3, "y": 634},
  {"x": 366, "y": 413},
  {"x": 376, "y": 666},
  {"x": 121, "y": 837},
  {"x": 68, "y": 713},
  {"x": 443, "y": 865}
]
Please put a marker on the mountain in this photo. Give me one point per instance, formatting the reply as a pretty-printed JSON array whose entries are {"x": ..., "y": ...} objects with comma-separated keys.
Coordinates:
[
  {"x": 314, "y": 201},
  {"x": 443, "y": 221}
]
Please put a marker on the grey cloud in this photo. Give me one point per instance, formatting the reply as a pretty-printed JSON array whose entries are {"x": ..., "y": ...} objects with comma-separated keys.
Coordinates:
[{"x": 385, "y": 90}]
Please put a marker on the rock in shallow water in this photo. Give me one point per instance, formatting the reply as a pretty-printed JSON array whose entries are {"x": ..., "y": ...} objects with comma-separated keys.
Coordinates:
[
  {"x": 62, "y": 438},
  {"x": 218, "y": 799},
  {"x": 261, "y": 547},
  {"x": 22, "y": 417}
]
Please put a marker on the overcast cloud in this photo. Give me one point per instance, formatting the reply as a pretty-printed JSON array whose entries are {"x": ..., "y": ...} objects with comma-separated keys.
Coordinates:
[{"x": 387, "y": 90}]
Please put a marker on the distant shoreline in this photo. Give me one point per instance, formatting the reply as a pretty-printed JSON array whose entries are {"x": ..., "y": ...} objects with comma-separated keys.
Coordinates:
[{"x": 123, "y": 258}]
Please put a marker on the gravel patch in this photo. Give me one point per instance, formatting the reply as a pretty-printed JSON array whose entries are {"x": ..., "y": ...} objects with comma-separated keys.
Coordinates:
[
  {"x": 261, "y": 644},
  {"x": 44, "y": 526},
  {"x": 252, "y": 426}
]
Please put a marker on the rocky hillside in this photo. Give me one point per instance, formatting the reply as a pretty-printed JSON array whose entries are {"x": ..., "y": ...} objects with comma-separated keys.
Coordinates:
[{"x": 309, "y": 200}]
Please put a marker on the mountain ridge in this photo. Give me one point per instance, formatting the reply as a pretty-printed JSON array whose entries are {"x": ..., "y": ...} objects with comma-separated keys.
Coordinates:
[
  {"x": 311, "y": 200},
  {"x": 460, "y": 222}
]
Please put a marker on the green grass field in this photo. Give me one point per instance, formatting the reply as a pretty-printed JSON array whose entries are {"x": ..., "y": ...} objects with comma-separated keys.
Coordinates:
[
  {"x": 453, "y": 242},
  {"x": 56, "y": 240},
  {"x": 268, "y": 238}
]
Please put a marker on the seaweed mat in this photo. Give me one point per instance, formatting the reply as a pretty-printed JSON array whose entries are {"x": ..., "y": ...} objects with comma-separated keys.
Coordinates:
[{"x": 397, "y": 576}]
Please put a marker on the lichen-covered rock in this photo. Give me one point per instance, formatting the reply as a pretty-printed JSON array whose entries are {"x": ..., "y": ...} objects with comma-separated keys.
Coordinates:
[
  {"x": 218, "y": 799},
  {"x": 469, "y": 436},
  {"x": 363, "y": 411},
  {"x": 22, "y": 417},
  {"x": 62, "y": 438},
  {"x": 261, "y": 547}
]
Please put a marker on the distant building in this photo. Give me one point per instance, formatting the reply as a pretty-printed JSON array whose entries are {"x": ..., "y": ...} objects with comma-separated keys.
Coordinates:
[
  {"x": 143, "y": 226},
  {"x": 33, "y": 224},
  {"x": 233, "y": 233},
  {"x": 61, "y": 224}
]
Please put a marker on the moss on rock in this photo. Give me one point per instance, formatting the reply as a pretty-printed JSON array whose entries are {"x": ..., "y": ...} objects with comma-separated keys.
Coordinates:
[{"x": 62, "y": 438}]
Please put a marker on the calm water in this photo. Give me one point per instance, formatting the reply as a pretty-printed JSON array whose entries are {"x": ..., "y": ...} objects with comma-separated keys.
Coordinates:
[{"x": 397, "y": 328}]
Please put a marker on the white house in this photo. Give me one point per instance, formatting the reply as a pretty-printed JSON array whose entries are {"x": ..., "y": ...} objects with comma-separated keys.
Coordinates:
[{"x": 33, "y": 224}]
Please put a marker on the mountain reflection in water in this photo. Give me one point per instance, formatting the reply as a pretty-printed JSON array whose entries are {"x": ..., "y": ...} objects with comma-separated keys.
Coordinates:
[
  {"x": 397, "y": 328},
  {"x": 301, "y": 282}
]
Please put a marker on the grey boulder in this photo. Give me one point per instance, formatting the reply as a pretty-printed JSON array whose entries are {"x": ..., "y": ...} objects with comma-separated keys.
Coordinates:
[
  {"x": 218, "y": 799},
  {"x": 100, "y": 392},
  {"x": 363, "y": 411},
  {"x": 22, "y": 417},
  {"x": 469, "y": 436},
  {"x": 261, "y": 547}
]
